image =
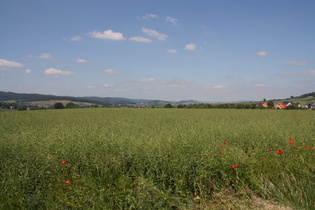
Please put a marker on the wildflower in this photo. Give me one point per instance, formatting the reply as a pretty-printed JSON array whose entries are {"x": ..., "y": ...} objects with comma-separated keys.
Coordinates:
[
  {"x": 225, "y": 142},
  {"x": 214, "y": 201},
  {"x": 308, "y": 166},
  {"x": 211, "y": 188},
  {"x": 291, "y": 141},
  {"x": 306, "y": 147},
  {"x": 63, "y": 162},
  {"x": 249, "y": 155},
  {"x": 67, "y": 182},
  {"x": 220, "y": 155},
  {"x": 270, "y": 149},
  {"x": 222, "y": 145},
  {"x": 118, "y": 122},
  {"x": 290, "y": 138},
  {"x": 279, "y": 151},
  {"x": 235, "y": 166},
  {"x": 311, "y": 148}
]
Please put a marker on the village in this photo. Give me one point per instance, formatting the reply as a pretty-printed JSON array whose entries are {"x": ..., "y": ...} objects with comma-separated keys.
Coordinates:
[{"x": 286, "y": 105}]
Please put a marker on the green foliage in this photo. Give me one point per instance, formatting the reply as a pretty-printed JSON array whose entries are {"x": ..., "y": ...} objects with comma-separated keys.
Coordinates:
[
  {"x": 59, "y": 105},
  {"x": 22, "y": 108},
  {"x": 270, "y": 104},
  {"x": 312, "y": 94},
  {"x": 71, "y": 105},
  {"x": 168, "y": 106},
  {"x": 156, "y": 158}
]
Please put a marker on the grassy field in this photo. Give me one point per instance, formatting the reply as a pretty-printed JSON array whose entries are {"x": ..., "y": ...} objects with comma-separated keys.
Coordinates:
[{"x": 157, "y": 159}]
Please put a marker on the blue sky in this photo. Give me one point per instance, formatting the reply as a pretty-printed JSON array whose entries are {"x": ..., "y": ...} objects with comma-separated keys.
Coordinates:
[{"x": 209, "y": 50}]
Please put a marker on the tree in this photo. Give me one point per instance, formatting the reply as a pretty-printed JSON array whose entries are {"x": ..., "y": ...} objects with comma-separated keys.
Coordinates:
[
  {"x": 168, "y": 106},
  {"x": 22, "y": 108},
  {"x": 71, "y": 105},
  {"x": 59, "y": 105},
  {"x": 270, "y": 104}
]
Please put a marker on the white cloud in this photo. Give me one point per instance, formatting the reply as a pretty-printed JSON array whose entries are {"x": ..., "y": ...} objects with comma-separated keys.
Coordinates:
[
  {"x": 172, "y": 51},
  {"x": 45, "y": 55},
  {"x": 285, "y": 74},
  {"x": 260, "y": 85},
  {"x": 107, "y": 85},
  {"x": 76, "y": 38},
  {"x": 217, "y": 86},
  {"x": 140, "y": 39},
  {"x": 154, "y": 34},
  {"x": 7, "y": 63},
  {"x": 298, "y": 63},
  {"x": 309, "y": 73},
  {"x": 81, "y": 60},
  {"x": 91, "y": 86},
  {"x": 172, "y": 20},
  {"x": 109, "y": 34},
  {"x": 111, "y": 71},
  {"x": 190, "y": 46},
  {"x": 150, "y": 16},
  {"x": 53, "y": 71},
  {"x": 147, "y": 80},
  {"x": 28, "y": 71},
  {"x": 262, "y": 53}
]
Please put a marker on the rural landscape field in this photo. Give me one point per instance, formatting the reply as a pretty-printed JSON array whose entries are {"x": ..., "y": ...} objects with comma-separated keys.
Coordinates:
[{"x": 157, "y": 159}]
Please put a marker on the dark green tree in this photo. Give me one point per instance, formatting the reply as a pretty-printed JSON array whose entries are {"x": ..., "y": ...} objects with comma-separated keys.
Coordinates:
[
  {"x": 168, "y": 106},
  {"x": 22, "y": 108},
  {"x": 59, "y": 105},
  {"x": 270, "y": 104},
  {"x": 71, "y": 105}
]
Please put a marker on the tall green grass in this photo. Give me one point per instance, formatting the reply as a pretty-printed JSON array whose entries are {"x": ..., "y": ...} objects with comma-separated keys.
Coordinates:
[{"x": 155, "y": 158}]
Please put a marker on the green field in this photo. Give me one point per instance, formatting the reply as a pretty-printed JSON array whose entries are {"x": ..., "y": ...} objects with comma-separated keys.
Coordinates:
[{"x": 157, "y": 159}]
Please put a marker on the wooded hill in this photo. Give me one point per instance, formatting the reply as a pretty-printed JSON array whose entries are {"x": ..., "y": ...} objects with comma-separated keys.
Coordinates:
[{"x": 19, "y": 98}]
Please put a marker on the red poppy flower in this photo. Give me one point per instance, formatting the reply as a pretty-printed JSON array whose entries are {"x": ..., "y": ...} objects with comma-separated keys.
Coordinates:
[
  {"x": 235, "y": 166},
  {"x": 220, "y": 154},
  {"x": 290, "y": 138},
  {"x": 222, "y": 145},
  {"x": 311, "y": 148},
  {"x": 211, "y": 188},
  {"x": 64, "y": 162},
  {"x": 306, "y": 147},
  {"x": 118, "y": 121},
  {"x": 291, "y": 141},
  {"x": 279, "y": 151},
  {"x": 225, "y": 142},
  {"x": 249, "y": 155},
  {"x": 67, "y": 182},
  {"x": 270, "y": 149},
  {"x": 308, "y": 166}
]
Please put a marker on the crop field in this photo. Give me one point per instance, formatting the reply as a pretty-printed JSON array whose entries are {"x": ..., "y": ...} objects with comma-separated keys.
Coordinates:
[{"x": 157, "y": 159}]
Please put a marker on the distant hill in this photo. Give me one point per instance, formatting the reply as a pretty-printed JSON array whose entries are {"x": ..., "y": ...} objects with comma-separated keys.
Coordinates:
[
  {"x": 26, "y": 97},
  {"x": 113, "y": 101},
  {"x": 312, "y": 94}
]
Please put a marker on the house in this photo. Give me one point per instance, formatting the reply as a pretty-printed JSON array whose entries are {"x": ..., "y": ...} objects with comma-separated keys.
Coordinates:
[
  {"x": 262, "y": 105},
  {"x": 287, "y": 103},
  {"x": 280, "y": 105},
  {"x": 310, "y": 105}
]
